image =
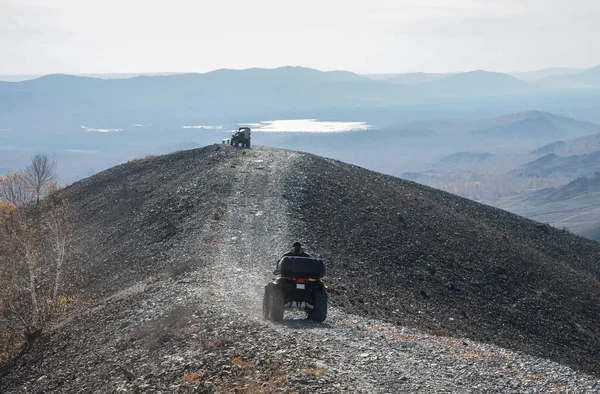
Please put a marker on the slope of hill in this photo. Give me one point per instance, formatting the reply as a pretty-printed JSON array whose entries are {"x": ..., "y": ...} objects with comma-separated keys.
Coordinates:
[
  {"x": 409, "y": 78},
  {"x": 176, "y": 250},
  {"x": 552, "y": 165},
  {"x": 552, "y": 148},
  {"x": 477, "y": 83},
  {"x": 536, "y": 75},
  {"x": 586, "y": 79},
  {"x": 574, "y": 206},
  {"x": 578, "y": 187},
  {"x": 578, "y": 146},
  {"x": 534, "y": 124}
]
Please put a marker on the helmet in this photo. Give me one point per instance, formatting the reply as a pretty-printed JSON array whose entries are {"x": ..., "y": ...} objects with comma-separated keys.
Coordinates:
[{"x": 297, "y": 245}]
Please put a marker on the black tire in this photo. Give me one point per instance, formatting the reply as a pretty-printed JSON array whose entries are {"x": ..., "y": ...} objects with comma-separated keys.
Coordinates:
[
  {"x": 276, "y": 304},
  {"x": 319, "y": 312},
  {"x": 265, "y": 306}
]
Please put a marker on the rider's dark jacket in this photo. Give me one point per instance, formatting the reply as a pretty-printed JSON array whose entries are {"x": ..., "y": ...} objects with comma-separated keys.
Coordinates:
[{"x": 300, "y": 253}]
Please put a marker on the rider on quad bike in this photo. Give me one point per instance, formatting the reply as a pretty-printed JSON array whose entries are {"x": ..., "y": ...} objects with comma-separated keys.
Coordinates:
[
  {"x": 295, "y": 251},
  {"x": 298, "y": 286}
]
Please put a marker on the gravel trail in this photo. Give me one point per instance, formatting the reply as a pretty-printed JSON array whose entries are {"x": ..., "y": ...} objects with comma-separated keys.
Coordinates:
[{"x": 361, "y": 355}]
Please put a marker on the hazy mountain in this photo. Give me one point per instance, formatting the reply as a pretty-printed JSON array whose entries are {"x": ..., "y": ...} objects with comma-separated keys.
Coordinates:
[
  {"x": 574, "y": 206},
  {"x": 406, "y": 131},
  {"x": 534, "y": 124},
  {"x": 553, "y": 165},
  {"x": 578, "y": 187},
  {"x": 553, "y": 147},
  {"x": 65, "y": 99},
  {"x": 586, "y": 79},
  {"x": 577, "y": 146},
  {"x": 409, "y": 78},
  {"x": 535, "y": 75},
  {"x": 477, "y": 83},
  {"x": 466, "y": 157}
]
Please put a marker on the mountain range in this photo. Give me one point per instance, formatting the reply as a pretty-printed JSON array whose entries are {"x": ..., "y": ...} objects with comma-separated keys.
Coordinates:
[
  {"x": 60, "y": 102},
  {"x": 536, "y": 125},
  {"x": 584, "y": 79}
]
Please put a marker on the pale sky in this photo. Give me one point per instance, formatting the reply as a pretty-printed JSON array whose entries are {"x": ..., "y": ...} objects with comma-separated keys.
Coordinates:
[{"x": 364, "y": 36}]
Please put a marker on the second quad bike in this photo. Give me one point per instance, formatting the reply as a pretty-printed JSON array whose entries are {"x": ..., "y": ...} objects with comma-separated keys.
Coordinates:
[
  {"x": 299, "y": 286},
  {"x": 241, "y": 136}
]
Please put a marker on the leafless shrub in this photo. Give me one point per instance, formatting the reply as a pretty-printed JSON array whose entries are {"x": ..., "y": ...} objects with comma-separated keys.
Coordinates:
[
  {"x": 16, "y": 190},
  {"x": 33, "y": 249},
  {"x": 40, "y": 173}
]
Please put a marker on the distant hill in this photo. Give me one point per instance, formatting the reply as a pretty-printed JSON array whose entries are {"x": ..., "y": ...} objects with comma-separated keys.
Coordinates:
[
  {"x": 466, "y": 157},
  {"x": 534, "y": 124},
  {"x": 553, "y": 147},
  {"x": 535, "y": 75},
  {"x": 406, "y": 131},
  {"x": 577, "y": 146},
  {"x": 409, "y": 78},
  {"x": 553, "y": 165},
  {"x": 578, "y": 187},
  {"x": 574, "y": 206},
  {"x": 586, "y": 79},
  {"x": 477, "y": 83}
]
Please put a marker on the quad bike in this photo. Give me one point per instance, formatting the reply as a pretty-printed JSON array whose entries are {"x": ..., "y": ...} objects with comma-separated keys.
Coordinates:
[
  {"x": 238, "y": 138},
  {"x": 299, "y": 286}
]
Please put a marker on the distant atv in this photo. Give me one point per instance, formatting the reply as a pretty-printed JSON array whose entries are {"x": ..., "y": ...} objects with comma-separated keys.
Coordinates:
[
  {"x": 299, "y": 286},
  {"x": 241, "y": 136}
]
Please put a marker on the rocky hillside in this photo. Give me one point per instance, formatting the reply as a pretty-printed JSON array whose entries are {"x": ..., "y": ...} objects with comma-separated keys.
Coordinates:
[
  {"x": 416, "y": 256},
  {"x": 429, "y": 292}
]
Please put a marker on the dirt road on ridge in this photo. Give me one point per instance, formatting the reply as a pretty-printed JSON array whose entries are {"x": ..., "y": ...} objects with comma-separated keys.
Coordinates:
[{"x": 368, "y": 355}]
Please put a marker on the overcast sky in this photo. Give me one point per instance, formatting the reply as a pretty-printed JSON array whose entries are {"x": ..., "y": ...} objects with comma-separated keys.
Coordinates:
[{"x": 366, "y": 36}]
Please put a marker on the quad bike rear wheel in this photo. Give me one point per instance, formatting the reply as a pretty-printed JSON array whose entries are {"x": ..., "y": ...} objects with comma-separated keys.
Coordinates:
[
  {"x": 276, "y": 304},
  {"x": 319, "y": 312},
  {"x": 265, "y": 305}
]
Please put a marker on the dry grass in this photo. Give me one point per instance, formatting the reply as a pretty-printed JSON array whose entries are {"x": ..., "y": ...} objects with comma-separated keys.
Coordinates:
[
  {"x": 192, "y": 378},
  {"x": 144, "y": 159},
  {"x": 316, "y": 372}
]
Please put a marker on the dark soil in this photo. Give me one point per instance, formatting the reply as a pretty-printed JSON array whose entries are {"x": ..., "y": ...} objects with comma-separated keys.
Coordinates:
[{"x": 417, "y": 256}]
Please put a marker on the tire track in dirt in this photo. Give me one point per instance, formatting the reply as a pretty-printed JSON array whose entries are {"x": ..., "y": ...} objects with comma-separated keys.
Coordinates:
[{"x": 365, "y": 355}]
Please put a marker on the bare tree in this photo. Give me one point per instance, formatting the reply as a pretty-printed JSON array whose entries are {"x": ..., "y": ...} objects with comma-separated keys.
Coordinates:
[
  {"x": 58, "y": 224},
  {"x": 40, "y": 172},
  {"x": 20, "y": 247},
  {"x": 16, "y": 189}
]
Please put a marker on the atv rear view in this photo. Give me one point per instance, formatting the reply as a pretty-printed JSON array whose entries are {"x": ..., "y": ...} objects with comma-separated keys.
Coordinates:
[
  {"x": 299, "y": 286},
  {"x": 241, "y": 136}
]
